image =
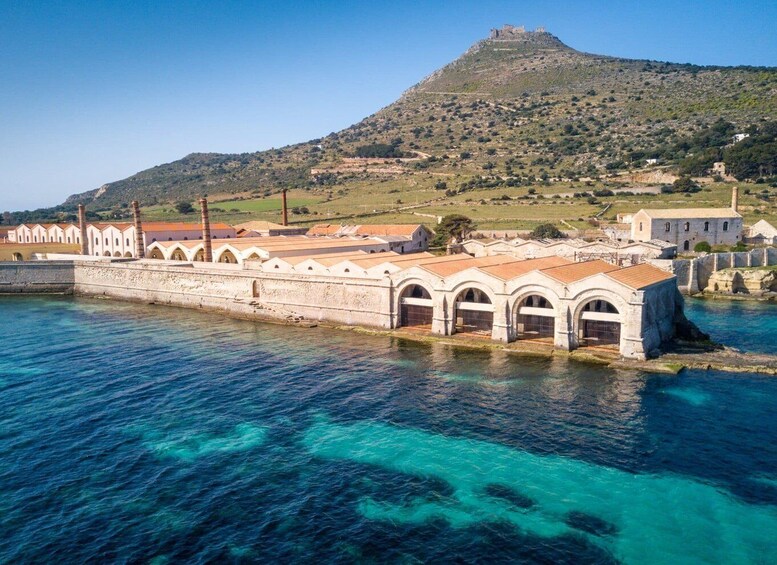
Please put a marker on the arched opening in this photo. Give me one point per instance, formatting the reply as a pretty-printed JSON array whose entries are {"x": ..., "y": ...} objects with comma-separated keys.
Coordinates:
[
  {"x": 200, "y": 255},
  {"x": 253, "y": 257},
  {"x": 155, "y": 254},
  {"x": 117, "y": 254},
  {"x": 128, "y": 255},
  {"x": 535, "y": 319},
  {"x": 415, "y": 307},
  {"x": 686, "y": 245},
  {"x": 227, "y": 257},
  {"x": 107, "y": 254},
  {"x": 18, "y": 257},
  {"x": 600, "y": 324},
  {"x": 473, "y": 312},
  {"x": 178, "y": 255}
]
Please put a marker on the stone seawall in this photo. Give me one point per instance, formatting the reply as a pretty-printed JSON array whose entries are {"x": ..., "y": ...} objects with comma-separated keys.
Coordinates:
[
  {"x": 37, "y": 277},
  {"x": 693, "y": 275},
  {"x": 243, "y": 293}
]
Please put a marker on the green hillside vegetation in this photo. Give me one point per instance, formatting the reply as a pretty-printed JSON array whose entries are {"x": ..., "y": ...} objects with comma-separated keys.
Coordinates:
[{"x": 519, "y": 131}]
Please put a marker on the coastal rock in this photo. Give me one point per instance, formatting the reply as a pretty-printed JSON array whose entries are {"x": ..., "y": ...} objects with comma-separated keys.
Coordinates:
[{"x": 755, "y": 282}]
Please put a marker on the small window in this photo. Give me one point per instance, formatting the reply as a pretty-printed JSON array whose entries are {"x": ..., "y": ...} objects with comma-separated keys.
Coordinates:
[
  {"x": 106, "y": 241},
  {"x": 667, "y": 226},
  {"x": 117, "y": 241},
  {"x": 640, "y": 226},
  {"x": 706, "y": 226},
  {"x": 686, "y": 245},
  {"x": 126, "y": 242},
  {"x": 725, "y": 226},
  {"x": 687, "y": 226},
  {"x": 348, "y": 270}
]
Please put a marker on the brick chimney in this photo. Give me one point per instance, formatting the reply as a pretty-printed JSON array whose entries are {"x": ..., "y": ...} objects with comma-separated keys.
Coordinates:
[
  {"x": 284, "y": 209},
  {"x": 82, "y": 226},
  {"x": 208, "y": 251},
  {"x": 140, "y": 247},
  {"x": 735, "y": 199}
]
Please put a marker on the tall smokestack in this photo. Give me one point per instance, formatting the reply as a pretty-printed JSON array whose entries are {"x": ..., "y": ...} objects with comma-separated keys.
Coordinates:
[
  {"x": 140, "y": 247},
  {"x": 206, "y": 231},
  {"x": 284, "y": 209},
  {"x": 82, "y": 226},
  {"x": 735, "y": 199}
]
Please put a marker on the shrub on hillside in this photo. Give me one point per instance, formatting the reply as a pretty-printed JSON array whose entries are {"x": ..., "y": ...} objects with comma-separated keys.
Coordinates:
[
  {"x": 184, "y": 207},
  {"x": 702, "y": 247},
  {"x": 546, "y": 231},
  {"x": 379, "y": 150}
]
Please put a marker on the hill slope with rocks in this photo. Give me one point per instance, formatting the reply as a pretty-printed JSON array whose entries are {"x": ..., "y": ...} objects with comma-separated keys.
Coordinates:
[{"x": 517, "y": 108}]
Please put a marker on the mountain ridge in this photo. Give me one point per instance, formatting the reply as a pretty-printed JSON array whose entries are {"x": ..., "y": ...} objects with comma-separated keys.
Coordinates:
[{"x": 516, "y": 105}]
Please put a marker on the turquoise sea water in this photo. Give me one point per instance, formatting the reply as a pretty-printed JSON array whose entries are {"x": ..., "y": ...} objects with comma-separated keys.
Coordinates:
[
  {"x": 742, "y": 324},
  {"x": 145, "y": 434}
]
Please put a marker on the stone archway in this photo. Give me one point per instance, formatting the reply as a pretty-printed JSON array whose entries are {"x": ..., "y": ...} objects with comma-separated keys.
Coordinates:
[
  {"x": 155, "y": 254},
  {"x": 600, "y": 324},
  {"x": 416, "y": 308},
  {"x": 178, "y": 255},
  {"x": 535, "y": 318},
  {"x": 227, "y": 257},
  {"x": 473, "y": 312}
]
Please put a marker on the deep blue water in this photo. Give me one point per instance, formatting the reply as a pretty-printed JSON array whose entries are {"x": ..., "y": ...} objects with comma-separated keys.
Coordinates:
[
  {"x": 145, "y": 434},
  {"x": 742, "y": 324}
]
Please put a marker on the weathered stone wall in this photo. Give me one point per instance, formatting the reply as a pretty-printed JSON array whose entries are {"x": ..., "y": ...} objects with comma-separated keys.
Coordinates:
[
  {"x": 241, "y": 292},
  {"x": 693, "y": 275},
  {"x": 32, "y": 277}
]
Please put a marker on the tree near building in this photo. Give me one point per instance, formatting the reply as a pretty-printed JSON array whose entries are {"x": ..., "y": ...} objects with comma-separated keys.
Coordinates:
[
  {"x": 685, "y": 184},
  {"x": 452, "y": 225},
  {"x": 546, "y": 231},
  {"x": 702, "y": 247},
  {"x": 184, "y": 207}
]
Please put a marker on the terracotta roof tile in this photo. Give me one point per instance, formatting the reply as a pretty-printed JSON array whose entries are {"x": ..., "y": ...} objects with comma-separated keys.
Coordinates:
[
  {"x": 578, "y": 271},
  {"x": 181, "y": 226},
  {"x": 448, "y": 268},
  {"x": 387, "y": 229},
  {"x": 640, "y": 276},
  {"x": 508, "y": 271}
]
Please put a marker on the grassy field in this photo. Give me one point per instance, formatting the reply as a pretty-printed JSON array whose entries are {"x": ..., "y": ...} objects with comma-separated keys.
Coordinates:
[{"x": 415, "y": 200}]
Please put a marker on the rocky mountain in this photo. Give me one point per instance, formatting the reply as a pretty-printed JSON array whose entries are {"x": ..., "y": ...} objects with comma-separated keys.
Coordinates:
[{"x": 516, "y": 108}]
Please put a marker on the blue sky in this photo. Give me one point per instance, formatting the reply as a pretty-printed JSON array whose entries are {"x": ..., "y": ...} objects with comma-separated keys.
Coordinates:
[{"x": 92, "y": 92}]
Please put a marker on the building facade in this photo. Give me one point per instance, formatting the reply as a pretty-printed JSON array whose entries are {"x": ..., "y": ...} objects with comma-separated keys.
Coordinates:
[{"x": 687, "y": 227}]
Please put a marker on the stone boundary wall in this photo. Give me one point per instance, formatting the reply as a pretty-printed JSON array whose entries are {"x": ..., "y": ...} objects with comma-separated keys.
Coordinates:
[
  {"x": 31, "y": 277},
  {"x": 693, "y": 275},
  {"x": 242, "y": 293}
]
